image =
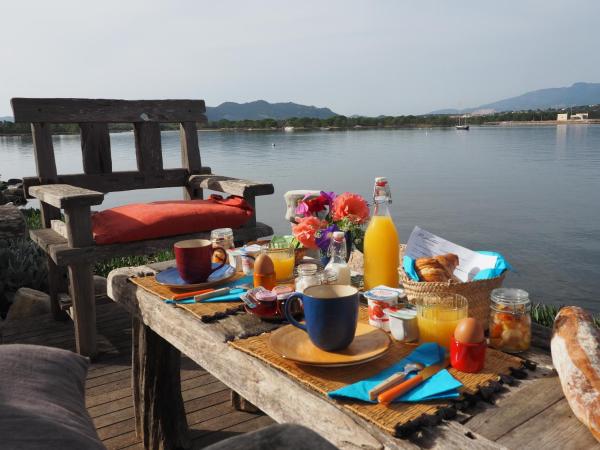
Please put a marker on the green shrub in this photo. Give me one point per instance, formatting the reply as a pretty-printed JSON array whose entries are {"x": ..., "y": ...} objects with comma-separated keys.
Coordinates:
[
  {"x": 104, "y": 267},
  {"x": 545, "y": 314},
  {"x": 22, "y": 264}
]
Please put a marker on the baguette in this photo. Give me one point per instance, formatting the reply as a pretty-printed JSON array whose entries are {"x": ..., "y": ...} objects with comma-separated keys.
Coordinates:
[{"x": 575, "y": 349}]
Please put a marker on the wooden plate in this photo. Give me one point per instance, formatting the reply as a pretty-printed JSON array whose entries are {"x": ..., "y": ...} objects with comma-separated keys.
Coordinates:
[
  {"x": 171, "y": 278},
  {"x": 294, "y": 344}
]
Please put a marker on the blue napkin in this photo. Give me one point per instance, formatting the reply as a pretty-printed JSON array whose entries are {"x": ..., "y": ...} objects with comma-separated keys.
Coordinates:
[
  {"x": 408, "y": 264},
  {"x": 442, "y": 385},
  {"x": 231, "y": 297}
]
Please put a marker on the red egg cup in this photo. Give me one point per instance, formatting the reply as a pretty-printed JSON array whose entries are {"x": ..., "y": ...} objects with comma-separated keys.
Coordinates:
[{"x": 467, "y": 357}]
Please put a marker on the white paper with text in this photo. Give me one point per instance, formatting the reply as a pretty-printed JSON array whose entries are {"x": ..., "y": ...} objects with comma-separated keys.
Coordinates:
[{"x": 423, "y": 244}]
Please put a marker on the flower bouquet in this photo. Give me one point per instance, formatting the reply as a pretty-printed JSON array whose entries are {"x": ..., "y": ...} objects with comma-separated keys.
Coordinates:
[{"x": 319, "y": 215}]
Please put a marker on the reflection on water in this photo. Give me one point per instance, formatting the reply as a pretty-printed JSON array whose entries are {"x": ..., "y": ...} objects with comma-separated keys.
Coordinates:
[{"x": 531, "y": 193}]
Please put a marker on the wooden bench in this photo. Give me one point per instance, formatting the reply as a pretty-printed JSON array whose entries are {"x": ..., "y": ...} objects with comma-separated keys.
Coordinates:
[{"x": 69, "y": 244}]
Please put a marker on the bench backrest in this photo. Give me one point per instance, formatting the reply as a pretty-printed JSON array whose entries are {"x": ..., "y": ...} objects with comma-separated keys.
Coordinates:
[{"x": 93, "y": 117}]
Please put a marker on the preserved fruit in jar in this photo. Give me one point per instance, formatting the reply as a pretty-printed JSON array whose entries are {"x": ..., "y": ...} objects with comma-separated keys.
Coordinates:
[{"x": 510, "y": 320}]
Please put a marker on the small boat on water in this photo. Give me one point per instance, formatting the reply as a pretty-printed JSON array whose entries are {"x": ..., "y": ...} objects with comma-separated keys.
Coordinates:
[{"x": 463, "y": 126}]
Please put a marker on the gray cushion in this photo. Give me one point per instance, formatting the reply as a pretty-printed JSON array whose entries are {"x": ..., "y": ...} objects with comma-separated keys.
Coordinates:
[
  {"x": 276, "y": 437},
  {"x": 42, "y": 399}
]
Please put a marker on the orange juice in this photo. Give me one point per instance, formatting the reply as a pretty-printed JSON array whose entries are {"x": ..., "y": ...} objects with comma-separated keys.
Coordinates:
[
  {"x": 283, "y": 262},
  {"x": 437, "y": 318},
  {"x": 381, "y": 253}
]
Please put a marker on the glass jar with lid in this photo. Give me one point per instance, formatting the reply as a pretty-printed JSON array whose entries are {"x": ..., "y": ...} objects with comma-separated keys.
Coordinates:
[
  {"x": 307, "y": 276},
  {"x": 510, "y": 320},
  {"x": 221, "y": 237}
]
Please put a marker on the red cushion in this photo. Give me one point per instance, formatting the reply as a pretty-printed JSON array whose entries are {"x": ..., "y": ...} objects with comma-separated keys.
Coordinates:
[{"x": 142, "y": 221}]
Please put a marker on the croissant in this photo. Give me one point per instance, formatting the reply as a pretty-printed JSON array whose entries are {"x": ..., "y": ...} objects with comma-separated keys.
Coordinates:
[{"x": 437, "y": 268}]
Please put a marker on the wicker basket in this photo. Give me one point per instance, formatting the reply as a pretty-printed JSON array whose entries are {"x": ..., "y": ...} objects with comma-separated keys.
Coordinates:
[{"x": 477, "y": 292}]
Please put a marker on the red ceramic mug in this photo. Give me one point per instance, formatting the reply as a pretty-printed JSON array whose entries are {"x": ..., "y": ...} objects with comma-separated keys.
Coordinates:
[{"x": 194, "y": 259}]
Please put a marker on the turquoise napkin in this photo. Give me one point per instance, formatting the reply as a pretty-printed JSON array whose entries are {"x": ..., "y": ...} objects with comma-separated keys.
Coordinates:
[
  {"x": 408, "y": 264},
  {"x": 442, "y": 385},
  {"x": 232, "y": 297}
]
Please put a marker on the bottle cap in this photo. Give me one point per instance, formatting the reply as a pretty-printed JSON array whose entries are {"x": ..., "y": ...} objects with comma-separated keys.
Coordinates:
[{"x": 380, "y": 181}]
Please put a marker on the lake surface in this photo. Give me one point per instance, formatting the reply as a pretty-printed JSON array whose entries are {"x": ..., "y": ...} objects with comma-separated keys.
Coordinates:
[{"x": 531, "y": 193}]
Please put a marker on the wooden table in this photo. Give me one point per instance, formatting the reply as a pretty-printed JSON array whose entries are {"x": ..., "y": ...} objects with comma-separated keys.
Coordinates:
[{"x": 532, "y": 415}]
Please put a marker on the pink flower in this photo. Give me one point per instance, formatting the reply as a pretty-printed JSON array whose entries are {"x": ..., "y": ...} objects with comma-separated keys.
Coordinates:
[
  {"x": 350, "y": 206},
  {"x": 306, "y": 230}
]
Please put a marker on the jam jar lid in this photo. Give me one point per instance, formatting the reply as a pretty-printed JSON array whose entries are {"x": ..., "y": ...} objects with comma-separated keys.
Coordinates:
[
  {"x": 508, "y": 299},
  {"x": 221, "y": 233}
]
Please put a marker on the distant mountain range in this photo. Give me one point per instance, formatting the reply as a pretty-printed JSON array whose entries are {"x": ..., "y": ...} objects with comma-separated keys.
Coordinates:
[
  {"x": 578, "y": 94},
  {"x": 261, "y": 109},
  {"x": 6, "y": 119}
]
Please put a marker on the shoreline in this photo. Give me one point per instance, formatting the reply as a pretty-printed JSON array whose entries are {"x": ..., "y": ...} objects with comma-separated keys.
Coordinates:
[{"x": 515, "y": 123}]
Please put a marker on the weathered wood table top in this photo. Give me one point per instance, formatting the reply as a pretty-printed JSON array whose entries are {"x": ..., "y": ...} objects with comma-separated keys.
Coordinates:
[{"x": 534, "y": 414}]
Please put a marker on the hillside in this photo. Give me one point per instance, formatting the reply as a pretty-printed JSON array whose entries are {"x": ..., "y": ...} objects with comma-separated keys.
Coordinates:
[
  {"x": 261, "y": 109},
  {"x": 562, "y": 97}
]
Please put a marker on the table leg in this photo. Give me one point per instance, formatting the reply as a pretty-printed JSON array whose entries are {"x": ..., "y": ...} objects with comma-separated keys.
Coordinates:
[
  {"x": 241, "y": 404},
  {"x": 159, "y": 413}
]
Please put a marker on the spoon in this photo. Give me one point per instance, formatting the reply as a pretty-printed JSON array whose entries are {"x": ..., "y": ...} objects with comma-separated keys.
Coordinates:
[{"x": 395, "y": 379}]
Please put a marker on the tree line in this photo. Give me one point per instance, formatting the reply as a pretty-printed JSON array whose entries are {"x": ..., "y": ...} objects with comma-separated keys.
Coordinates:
[{"x": 344, "y": 122}]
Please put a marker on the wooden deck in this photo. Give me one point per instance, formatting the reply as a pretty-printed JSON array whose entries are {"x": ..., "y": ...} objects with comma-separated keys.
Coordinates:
[{"x": 108, "y": 389}]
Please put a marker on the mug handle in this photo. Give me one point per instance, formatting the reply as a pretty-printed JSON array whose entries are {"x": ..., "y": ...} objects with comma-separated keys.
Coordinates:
[
  {"x": 221, "y": 249},
  {"x": 288, "y": 314}
]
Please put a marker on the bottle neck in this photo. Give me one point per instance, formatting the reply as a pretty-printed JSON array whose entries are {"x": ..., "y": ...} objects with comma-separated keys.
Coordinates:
[
  {"x": 382, "y": 198},
  {"x": 381, "y": 208},
  {"x": 337, "y": 251}
]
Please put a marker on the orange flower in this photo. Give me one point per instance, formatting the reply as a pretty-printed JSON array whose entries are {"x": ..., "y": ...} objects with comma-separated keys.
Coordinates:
[
  {"x": 306, "y": 229},
  {"x": 350, "y": 206}
]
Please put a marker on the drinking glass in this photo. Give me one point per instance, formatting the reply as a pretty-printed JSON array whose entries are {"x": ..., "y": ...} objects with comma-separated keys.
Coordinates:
[
  {"x": 438, "y": 315},
  {"x": 283, "y": 262}
]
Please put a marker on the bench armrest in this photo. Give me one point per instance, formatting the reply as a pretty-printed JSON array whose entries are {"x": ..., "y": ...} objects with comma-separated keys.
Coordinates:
[
  {"x": 65, "y": 196},
  {"x": 233, "y": 186}
]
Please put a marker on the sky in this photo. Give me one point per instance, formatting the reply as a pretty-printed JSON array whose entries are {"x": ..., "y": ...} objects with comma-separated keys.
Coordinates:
[{"x": 356, "y": 57}]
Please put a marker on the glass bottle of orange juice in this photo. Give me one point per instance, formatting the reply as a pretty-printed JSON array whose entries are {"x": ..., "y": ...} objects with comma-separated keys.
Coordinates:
[{"x": 381, "y": 250}]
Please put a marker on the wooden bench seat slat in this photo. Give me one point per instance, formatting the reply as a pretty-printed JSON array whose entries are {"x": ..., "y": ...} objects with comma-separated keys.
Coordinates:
[
  {"x": 58, "y": 249},
  {"x": 78, "y": 110},
  {"x": 95, "y": 147}
]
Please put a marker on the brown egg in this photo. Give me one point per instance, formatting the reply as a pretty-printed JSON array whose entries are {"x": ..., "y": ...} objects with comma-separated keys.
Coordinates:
[
  {"x": 263, "y": 265},
  {"x": 469, "y": 331}
]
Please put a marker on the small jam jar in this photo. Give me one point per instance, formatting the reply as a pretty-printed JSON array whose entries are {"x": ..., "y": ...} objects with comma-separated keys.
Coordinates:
[
  {"x": 510, "y": 320},
  {"x": 307, "y": 276},
  {"x": 221, "y": 237}
]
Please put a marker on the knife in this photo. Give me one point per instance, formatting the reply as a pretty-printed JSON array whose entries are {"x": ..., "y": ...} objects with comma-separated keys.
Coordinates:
[{"x": 391, "y": 394}]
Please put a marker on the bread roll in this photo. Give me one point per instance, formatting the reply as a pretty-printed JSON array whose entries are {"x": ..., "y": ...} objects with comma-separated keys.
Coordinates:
[
  {"x": 438, "y": 268},
  {"x": 575, "y": 349}
]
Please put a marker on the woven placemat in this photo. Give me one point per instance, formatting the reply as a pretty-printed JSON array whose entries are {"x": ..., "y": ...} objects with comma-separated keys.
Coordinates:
[
  {"x": 389, "y": 418},
  {"x": 206, "y": 312}
]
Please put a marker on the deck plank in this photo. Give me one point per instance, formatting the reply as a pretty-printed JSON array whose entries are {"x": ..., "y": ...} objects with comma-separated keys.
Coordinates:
[
  {"x": 108, "y": 387},
  {"x": 555, "y": 427}
]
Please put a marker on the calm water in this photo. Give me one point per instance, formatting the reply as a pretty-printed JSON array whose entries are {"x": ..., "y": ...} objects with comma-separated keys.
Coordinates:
[{"x": 532, "y": 193}]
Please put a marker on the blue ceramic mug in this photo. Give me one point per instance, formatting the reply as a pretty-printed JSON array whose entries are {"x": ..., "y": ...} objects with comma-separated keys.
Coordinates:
[{"x": 330, "y": 315}]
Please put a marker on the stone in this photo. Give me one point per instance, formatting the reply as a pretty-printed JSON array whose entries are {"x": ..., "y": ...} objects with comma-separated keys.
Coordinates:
[
  {"x": 99, "y": 285},
  {"x": 28, "y": 303}
]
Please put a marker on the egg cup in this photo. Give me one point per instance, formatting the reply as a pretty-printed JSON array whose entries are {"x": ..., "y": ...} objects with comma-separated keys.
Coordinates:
[{"x": 467, "y": 357}]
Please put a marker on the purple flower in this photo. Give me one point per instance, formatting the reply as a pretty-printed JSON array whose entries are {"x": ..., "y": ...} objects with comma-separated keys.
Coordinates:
[
  {"x": 324, "y": 236},
  {"x": 330, "y": 196}
]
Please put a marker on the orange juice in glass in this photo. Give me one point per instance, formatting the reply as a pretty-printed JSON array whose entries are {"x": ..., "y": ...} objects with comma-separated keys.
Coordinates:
[
  {"x": 283, "y": 261},
  {"x": 437, "y": 317}
]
